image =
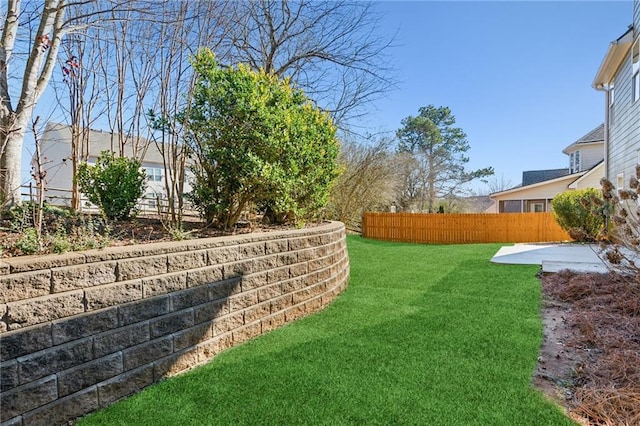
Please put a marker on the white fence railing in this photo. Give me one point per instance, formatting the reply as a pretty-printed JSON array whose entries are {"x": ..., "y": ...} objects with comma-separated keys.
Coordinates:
[{"x": 148, "y": 205}]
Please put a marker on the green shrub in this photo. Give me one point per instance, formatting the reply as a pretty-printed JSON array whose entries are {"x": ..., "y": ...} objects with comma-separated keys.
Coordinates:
[
  {"x": 113, "y": 184},
  {"x": 257, "y": 141},
  {"x": 28, "y": 242},
  {"x": 60, "y": 242},
  {"x": 580, "y": 213}
]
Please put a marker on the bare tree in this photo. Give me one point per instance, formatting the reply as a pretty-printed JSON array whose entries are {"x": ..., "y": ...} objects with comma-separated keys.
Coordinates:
[
  {"x": 411, "y": 195},
  {"x": 43, "y": 26},
  {"x": 367, "y": 183},
  {"x": 127, "y": 76},
  {"x": 498, "y": 184},
  {"x": 39, "y": 175},
  {"x": 190, "y": 28},
  {"x": 333, "y": 50},
  {"x": 82, "y": 92}
]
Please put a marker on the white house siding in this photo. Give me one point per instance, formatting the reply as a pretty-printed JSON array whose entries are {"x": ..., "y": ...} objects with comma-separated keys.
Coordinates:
[
  {"x": 624, "y": 131},
  {"x": 56, "y": 151},
  {"x": 591, "y": 154}
]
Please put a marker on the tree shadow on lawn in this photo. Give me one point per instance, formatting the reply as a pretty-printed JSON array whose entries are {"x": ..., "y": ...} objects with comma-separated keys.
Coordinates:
[{"x": 445, "y": 363}]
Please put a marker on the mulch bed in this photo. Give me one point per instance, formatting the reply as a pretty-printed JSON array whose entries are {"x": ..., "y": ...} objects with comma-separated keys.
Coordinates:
[
  {"x": 590, "y": 360},
  {"x": 140, "y": 230}
]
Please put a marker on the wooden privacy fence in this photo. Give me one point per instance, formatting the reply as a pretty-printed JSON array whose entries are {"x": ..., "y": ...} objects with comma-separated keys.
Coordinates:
[{"x": 463, "y": 228}]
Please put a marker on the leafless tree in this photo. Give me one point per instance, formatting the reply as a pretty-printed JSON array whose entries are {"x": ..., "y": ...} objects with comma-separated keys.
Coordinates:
[
  {"x": 498, "y": 183},
  {"x": 367, "y": 183},
  {"x": 43, "y": 26},
  {"x": 78, "y": 94},
  {"x": 412, "y": 175},
  {"x": 39, "y": 175},
  {"x": 194, "y": 24},
  {"x": 334, "y": 50}
]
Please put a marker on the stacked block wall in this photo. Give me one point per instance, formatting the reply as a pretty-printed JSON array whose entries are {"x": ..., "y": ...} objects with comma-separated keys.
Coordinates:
[{"x": 81, "y": 330}]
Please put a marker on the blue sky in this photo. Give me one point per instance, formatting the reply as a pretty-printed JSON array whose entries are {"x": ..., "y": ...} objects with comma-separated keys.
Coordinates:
[{"x": 517, "y": 75}]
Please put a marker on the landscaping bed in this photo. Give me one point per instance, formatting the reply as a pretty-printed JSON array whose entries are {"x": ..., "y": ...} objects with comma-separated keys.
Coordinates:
[
  {"x": 64, "y": 231},
  {"x": 590, "y": 360}
]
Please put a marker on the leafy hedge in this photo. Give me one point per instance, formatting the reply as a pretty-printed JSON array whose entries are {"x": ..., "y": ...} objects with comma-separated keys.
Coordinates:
[{"x": 580, "y": 213}]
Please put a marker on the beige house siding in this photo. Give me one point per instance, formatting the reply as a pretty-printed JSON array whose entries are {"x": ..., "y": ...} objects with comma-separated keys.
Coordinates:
[
  {"x": 525, "y": 199},
  {"x": 592, "y": 154},
  {"x": 591, "y": 179}
]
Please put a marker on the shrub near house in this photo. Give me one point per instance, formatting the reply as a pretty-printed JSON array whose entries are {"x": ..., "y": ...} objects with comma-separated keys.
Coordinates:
[
  {"x": 113, "y": 184},
  {"x": 580, "y": 213}
]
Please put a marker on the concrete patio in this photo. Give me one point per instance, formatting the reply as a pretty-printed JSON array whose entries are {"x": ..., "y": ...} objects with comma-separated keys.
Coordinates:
[{"x": 553, "y": 257}]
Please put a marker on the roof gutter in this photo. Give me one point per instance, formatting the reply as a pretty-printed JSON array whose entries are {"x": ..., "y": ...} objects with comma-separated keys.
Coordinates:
[
  {"x": 612, "y": 61},
  {"x": 603, "y": 81}
]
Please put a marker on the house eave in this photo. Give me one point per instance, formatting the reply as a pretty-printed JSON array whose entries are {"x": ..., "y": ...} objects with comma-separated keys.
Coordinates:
[
  {"x": 612, "y": 61},
  {"x": 581, "y": 144},
  {"x": 594, "y": 169},
  {"x": 572, "y": 178}
]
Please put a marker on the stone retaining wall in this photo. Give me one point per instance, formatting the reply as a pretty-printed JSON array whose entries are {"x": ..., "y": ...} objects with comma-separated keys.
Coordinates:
[{"x": 81, "y": 330}]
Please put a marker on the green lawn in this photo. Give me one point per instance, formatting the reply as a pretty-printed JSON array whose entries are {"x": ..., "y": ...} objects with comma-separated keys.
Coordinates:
[{"x": 423, "y": 335}]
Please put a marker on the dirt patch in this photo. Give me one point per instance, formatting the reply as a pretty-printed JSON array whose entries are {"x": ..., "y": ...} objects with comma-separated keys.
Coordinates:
[{"x": 590, "y": 357}]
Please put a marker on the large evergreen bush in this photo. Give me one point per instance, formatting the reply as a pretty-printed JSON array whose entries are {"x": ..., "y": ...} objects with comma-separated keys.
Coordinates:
[
  {"x": 257, "y": 142},
  {"x": 580, "y": 213}
]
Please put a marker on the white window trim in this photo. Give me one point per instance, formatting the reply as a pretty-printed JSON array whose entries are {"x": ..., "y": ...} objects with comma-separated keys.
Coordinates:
[
  {"x": 154, "y": 174},
  {"x": 620, "y": 181}
]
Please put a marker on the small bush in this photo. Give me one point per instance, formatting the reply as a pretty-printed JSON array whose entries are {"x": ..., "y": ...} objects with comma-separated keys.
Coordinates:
[
  {"x": 28, "y": 243},
  {"x": 60, "y": 242},
  {"x": 580, "y": 213},
  {"x": 113, "y": 184},
  {"x": 62, "y": 231}
]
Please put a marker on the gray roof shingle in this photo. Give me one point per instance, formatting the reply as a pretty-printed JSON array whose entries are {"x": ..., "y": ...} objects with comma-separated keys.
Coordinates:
[
  {"x": 535, "y": 176},
  {"x": 596, "y": 135}
]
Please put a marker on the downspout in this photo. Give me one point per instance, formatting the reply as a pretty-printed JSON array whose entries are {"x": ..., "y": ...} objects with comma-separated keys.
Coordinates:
[{"x": 607, "y": 98}]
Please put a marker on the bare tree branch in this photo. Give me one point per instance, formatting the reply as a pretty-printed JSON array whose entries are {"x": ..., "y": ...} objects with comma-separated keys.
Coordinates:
[{"x": 332, "y": 50}]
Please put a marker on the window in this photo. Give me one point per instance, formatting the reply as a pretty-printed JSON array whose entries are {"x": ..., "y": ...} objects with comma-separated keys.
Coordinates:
[
  {"x": 154, "y": 174},
  {"x": 535, "y": 206},
  {"x": 635, "y": 71},
  {"x": 574, "y": 162},
  {"x": 620, "y": 181},
  {"x": 612, "y": 95},
  {"x": 151, "y": 198},
  {"x": 572, "y": 157}
]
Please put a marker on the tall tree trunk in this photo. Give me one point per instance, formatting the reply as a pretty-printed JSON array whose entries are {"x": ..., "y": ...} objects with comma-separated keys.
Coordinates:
[{"x": 37, "y": 73}]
